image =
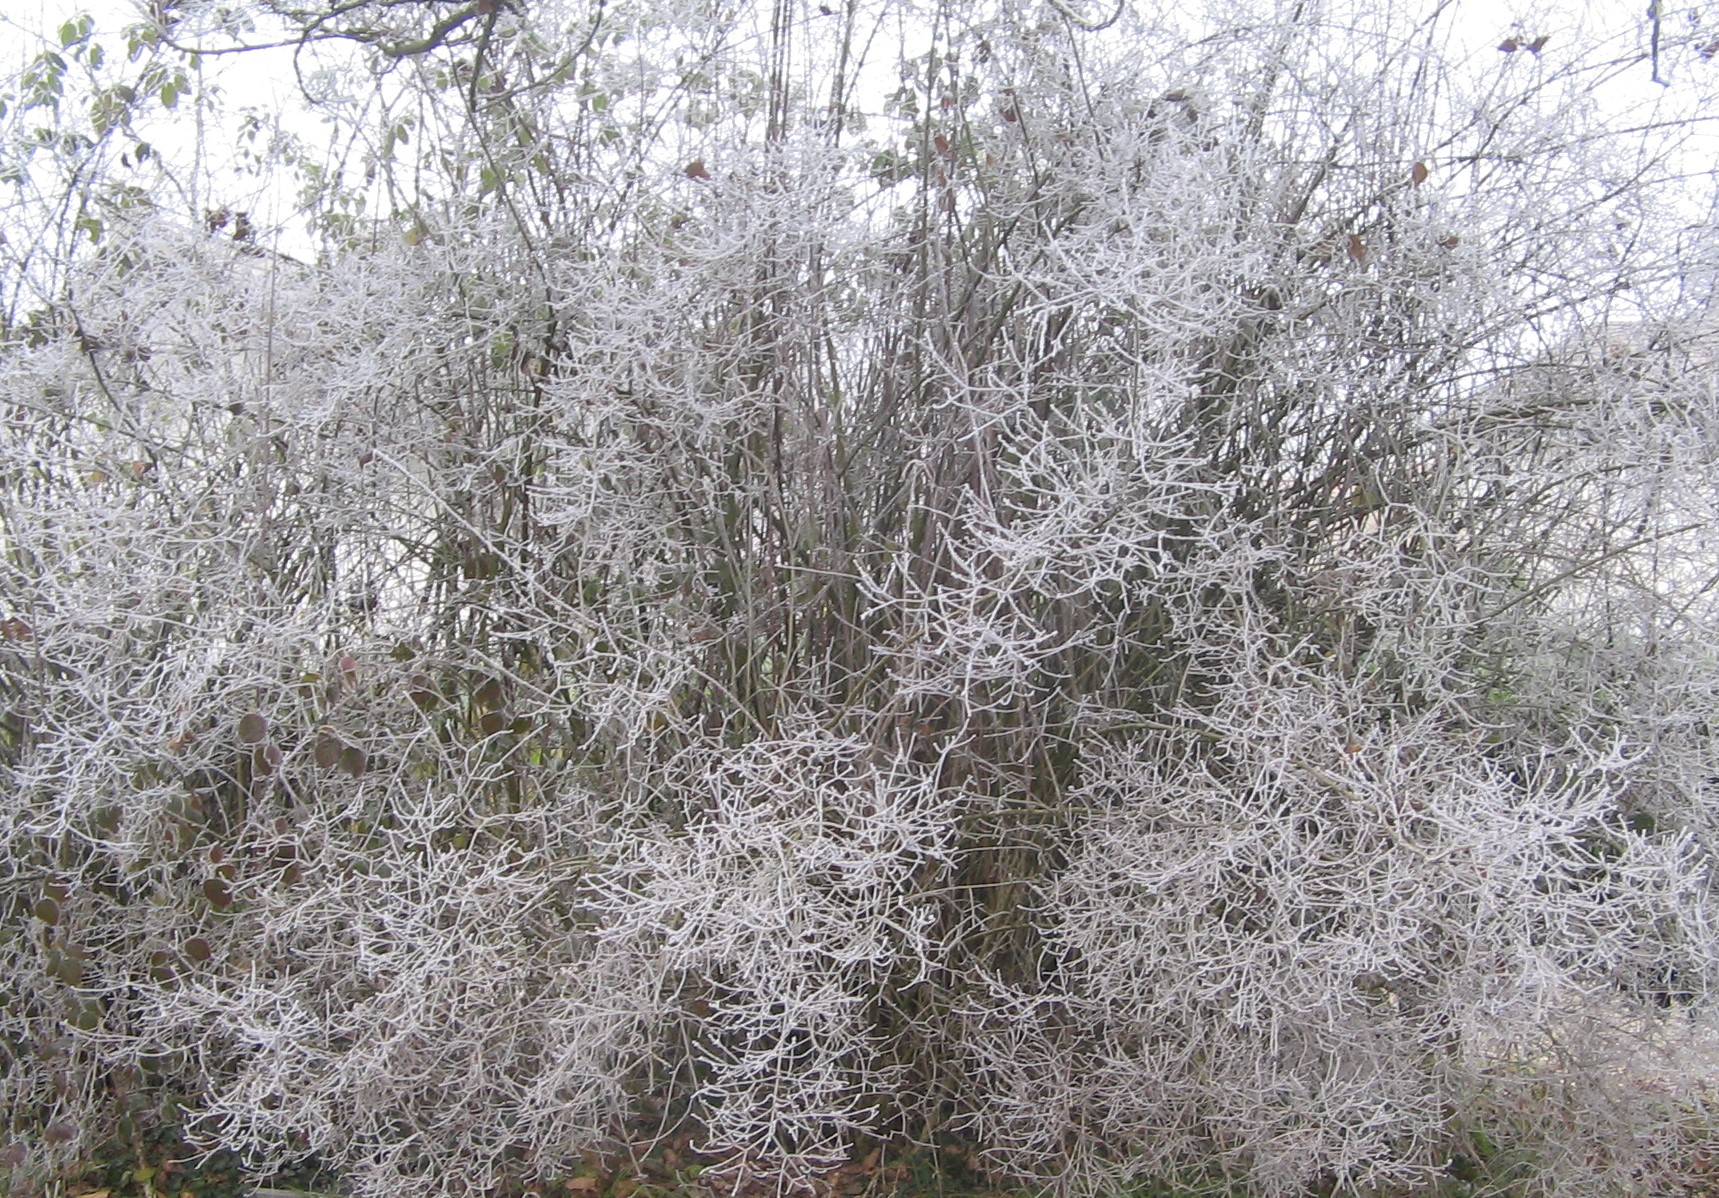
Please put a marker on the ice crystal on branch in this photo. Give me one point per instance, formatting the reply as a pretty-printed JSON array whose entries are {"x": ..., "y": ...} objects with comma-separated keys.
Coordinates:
[{"x": 1133, "y": 598}]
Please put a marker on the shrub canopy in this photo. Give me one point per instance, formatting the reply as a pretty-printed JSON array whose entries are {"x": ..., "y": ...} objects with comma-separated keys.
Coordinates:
[{"x": 1134, "y": 592}]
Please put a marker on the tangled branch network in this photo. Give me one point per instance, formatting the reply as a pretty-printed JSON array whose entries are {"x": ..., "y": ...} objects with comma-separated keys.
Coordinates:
[{"x": 1125, "y": 621}]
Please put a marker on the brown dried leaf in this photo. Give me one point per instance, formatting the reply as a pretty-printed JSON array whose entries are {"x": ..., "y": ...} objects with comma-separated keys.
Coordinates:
[
  {"x": 353, "y": 760},
  {"x": 1418, "y": 173},
  {"x": 327, "y": 750},
  {"x": 422, "y": 691},
  {"x": 60, "y": 1131},
  {"x": 696, "y": 169},
  {"x": 1357, "y": 249}
]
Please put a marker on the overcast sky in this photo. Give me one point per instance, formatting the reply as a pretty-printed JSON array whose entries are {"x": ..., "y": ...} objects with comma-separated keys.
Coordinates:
[{"x": 264, "y": 80}]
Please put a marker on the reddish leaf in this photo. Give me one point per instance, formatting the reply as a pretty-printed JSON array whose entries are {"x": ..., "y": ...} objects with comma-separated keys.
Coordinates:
[
  {"x": 1357, "y": 249},
  {"x": 942, "y": 143},
  {"x": 1418, "y": 173},
  {"x": 219, "y": 894},
  {"x": 1537, "y": 45},
  {"x": 1451, "y": 242},
  {"x": 1508, "y": 45},
  {"x": 696, "y": 169}
]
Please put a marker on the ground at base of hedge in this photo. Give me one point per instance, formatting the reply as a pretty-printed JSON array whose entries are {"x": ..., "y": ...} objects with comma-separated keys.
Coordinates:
[{"x": 166, "y": 1168}]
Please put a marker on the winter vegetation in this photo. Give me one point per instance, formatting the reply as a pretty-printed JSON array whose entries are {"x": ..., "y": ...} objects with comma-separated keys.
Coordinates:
[{"x": 1133, "y": 591}]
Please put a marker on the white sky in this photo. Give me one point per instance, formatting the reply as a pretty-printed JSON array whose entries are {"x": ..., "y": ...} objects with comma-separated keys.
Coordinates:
[{"x": 264, "y": 80}]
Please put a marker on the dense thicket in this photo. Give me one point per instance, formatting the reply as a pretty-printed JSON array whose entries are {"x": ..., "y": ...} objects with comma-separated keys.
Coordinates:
[{"x": 1134, "y": 593}]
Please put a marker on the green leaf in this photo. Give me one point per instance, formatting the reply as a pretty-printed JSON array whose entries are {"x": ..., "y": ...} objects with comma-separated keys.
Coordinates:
[{"x": 138, "y": 39}]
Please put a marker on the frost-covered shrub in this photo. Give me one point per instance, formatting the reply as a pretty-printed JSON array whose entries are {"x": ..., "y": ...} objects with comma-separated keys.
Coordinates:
[{"x": 1152, "y": 616}]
